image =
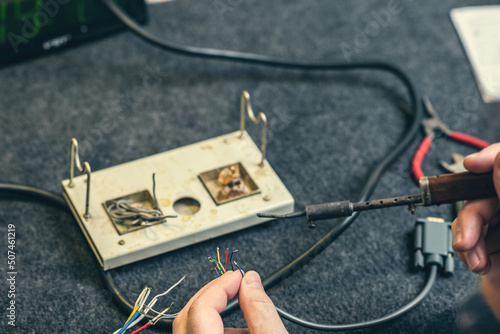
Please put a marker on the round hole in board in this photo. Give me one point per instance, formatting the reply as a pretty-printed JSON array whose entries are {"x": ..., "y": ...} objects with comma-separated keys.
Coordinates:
[{"x": 186, "y": 206}]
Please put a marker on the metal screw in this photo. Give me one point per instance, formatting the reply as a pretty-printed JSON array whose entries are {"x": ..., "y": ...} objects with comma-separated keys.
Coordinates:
[
  {"x": 412, "y": 208},
  {"x": 121, "y": 242}
]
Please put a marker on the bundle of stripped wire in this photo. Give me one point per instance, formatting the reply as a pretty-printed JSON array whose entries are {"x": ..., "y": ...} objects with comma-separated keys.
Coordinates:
[
  {"x": 124, "y": 212},
  {"x": 141, "y": 309},
  {"x": 221, "y": 270}
]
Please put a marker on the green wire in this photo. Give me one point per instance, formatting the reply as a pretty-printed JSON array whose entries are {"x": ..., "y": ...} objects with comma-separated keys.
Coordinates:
[{"x": 218, "y": 264}]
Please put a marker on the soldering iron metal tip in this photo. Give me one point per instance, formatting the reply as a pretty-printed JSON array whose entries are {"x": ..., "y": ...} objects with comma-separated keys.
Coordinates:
[{"x": 286, "y": 215}]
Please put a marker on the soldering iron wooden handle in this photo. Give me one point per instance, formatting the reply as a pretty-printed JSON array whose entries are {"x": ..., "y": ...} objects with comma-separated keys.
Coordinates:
[{"x": 450, "y": 188}]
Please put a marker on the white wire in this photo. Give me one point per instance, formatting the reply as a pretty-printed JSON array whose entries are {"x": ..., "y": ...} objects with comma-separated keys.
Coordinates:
[
  {"x": 161, "y": 315},
  {"x": 141, "y": 300},
  {"x": 170, "y": 289},
  {"x": 138, "y": 320},
  {"x": 164, "y": 293}
]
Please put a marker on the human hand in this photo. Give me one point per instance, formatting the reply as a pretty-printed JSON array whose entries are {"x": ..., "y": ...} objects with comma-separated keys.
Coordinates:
[
  {"x": 476, "y": 231},
  {"x": 201, "y": 313}
]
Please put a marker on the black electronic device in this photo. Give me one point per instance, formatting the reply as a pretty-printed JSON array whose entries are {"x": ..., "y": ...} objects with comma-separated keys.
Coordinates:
[{"x": 32, "y": 27}]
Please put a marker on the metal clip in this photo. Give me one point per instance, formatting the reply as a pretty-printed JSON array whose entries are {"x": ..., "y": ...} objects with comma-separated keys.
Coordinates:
[
  {"x": 75, "y": 159},
  {"x": 245, "y": 104}
]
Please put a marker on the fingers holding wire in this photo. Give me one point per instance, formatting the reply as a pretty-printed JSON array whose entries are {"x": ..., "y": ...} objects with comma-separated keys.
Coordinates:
[
  {"x": 258, "y": 309},
  {"x": 201, "y": 313}
]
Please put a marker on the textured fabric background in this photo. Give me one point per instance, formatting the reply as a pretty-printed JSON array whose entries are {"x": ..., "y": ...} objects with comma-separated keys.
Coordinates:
[{"x": 328, "y": 132}]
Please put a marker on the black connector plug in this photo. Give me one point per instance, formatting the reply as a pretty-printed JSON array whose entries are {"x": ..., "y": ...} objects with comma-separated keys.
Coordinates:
[{"x": 433, "y": 244}]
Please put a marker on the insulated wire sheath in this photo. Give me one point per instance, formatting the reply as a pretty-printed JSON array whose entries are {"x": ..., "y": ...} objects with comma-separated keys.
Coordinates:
[
  {"x": 253, "y": 58},
  {"x": 370, "y": 323},
  {"x": 257, "y": 59},
  {"x": 34, "y": 192}
]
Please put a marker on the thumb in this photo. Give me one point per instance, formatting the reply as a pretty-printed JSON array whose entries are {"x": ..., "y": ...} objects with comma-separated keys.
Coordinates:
[
  {"x": 259, "y": 311},
  {"x": 482, "y": 161}
]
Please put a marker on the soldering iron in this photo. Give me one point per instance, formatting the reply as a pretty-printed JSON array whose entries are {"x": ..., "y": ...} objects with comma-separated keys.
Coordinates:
[{"x": 434, "y": 190}]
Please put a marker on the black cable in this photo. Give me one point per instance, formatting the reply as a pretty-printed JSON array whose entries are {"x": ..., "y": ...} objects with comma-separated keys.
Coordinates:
[
  {"x": 257, "y": 59},
  {"x": 34, "y": 192},
  {"x": 370, "y": 323},
  {"x": 58, "y": 200}
]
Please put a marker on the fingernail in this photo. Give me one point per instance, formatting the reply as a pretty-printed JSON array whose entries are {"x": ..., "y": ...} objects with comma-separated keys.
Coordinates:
[
  {"x": 473, "y": 155},
  {"x": 472, "y": 260},
  {"x": 253, "y": 279}
]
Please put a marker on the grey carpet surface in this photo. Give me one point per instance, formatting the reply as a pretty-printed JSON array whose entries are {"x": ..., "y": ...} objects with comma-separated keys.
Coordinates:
[{"x": 329, "y": 130}]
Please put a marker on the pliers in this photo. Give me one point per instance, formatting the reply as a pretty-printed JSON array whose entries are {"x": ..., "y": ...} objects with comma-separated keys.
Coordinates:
[{"x": 431, "y": 125}]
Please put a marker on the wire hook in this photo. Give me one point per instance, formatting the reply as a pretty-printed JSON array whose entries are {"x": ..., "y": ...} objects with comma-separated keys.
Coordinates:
[
  {"x": 75, "y": 160},
  {"x": 245, "y": 105}
]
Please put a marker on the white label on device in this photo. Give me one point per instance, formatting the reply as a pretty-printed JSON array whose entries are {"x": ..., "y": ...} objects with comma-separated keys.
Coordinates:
[{"x": 479, "y": 30}]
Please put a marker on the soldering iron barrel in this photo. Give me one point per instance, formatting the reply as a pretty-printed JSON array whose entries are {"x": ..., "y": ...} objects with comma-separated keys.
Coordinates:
[
  {"x": 450, "y": 188},
  {"x": 329, "y": 210}
]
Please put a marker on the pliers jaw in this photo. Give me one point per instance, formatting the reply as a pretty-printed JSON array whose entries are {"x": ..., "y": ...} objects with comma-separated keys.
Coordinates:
[
  {"x": 457, "y": 166},
  {"x": 433, "y": 123}
]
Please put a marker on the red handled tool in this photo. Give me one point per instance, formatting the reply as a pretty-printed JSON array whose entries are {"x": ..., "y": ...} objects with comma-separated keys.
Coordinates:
[{"x": 431, "y": 125}]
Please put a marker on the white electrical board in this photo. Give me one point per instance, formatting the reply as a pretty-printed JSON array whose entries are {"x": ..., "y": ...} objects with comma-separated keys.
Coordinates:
[{"x": 186, "y": 186}]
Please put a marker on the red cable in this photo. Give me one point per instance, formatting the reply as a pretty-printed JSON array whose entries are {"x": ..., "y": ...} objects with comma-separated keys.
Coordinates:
[
  {"x": 142, "y": 328},
  {"x": 468, "y": 139},
  {"x": 419, "y": 157},
  {"x": 225, "y": 264}
]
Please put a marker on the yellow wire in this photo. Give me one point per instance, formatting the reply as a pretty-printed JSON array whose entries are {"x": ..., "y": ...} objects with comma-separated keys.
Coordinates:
[
  {"x": 131, "y": 314},
  {"x": 218, "y": 266},
  {"x": 217, "y": 263}
]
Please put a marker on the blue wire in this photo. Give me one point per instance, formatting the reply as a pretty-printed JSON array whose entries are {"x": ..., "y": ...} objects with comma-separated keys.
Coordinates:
[
  {"x": 124, "y": 328},
  {"x": 239, "y": 268}
]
